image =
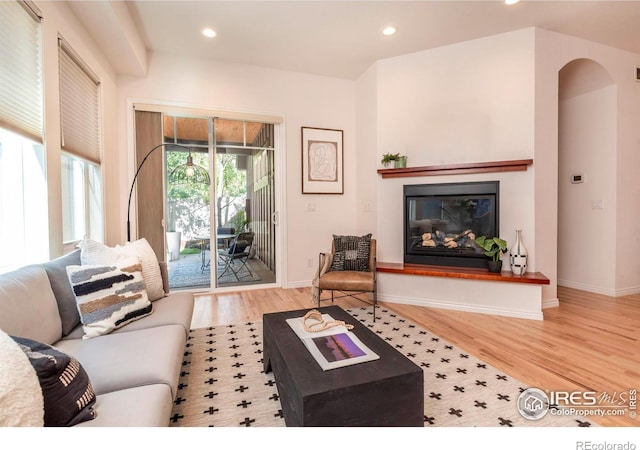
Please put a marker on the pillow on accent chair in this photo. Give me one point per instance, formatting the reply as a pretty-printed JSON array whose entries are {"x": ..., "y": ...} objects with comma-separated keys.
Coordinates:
[
  {"x": 67, "y": 391},
  {"x": 94, "y": 253},
  {"x": 351, "y": 253},
  {"x": 109, "y": 297}
]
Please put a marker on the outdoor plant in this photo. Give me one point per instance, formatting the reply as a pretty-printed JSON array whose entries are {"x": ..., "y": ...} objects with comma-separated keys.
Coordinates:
[{"x": 492, "y": 246}]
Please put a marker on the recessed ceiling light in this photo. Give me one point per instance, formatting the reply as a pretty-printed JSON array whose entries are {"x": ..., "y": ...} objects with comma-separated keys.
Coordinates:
[
  {"x": 388, "y": 31},
  {"x": 511, "y": 2},
  {"x": 209, "y": 32}
]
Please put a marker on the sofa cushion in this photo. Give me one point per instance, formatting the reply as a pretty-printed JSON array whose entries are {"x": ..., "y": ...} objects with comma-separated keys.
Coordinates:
[
  {"x": 57, "y": 273},
  {"x": 125, "y": 360},
  {"x": 28, "y": 307},
  {"x": 66, "y": 387},
  {"x": 97, "y": 253},
  {"x": 175, "y": 309},
  {"x": 109, "y": 297},
  {"x": 348, "y": 280},
  {"x": 144, "y": 406},
  {"x": 21, "y": 401}
]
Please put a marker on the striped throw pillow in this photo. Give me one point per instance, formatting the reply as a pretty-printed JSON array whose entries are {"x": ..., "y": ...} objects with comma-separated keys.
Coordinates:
[{"x": 109, "y": 297}]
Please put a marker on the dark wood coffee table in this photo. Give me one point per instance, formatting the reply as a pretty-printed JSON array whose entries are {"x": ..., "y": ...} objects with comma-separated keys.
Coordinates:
[{"x": 385, "y": 392}]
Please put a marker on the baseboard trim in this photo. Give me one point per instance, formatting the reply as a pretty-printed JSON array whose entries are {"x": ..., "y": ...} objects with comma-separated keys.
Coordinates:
[
  {"x": 597, "y": 290},
  {"x": 627, "y": 291},
  {"x": 299, "y": 284},
  {"x": 456, "y": 307},
  {"x": 550, "y": 303}
]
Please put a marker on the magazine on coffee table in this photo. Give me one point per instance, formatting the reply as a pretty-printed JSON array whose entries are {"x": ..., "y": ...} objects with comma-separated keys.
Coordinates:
[{"x": 335, "y": 347}]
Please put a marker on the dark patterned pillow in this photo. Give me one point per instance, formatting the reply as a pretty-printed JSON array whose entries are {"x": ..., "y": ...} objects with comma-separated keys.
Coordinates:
[
  {"x": 351, "y": 253},
  {"x": 68, "y": 394}
]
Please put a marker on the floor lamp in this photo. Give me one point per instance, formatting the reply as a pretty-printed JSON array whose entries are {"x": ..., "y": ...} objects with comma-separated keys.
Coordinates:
[{"x": 188, "y": 172}]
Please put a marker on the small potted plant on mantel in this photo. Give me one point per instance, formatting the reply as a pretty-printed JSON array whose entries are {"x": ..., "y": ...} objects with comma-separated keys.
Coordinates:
[
  {"x": 493, "y": 247},
  {"x": 395, "y": 158}
]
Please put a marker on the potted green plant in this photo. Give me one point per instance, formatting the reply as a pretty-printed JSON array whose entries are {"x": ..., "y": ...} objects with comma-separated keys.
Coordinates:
[
  {"x": 493, "y": 247},
  {"x": 389, "y": 158}
]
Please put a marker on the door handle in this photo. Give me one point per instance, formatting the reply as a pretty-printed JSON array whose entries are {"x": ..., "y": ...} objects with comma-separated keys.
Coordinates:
[{"x": 275, "y": 218}]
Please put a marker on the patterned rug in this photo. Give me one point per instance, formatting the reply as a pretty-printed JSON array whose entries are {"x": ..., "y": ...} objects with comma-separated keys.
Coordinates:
[{"x": 223, "y": 383}]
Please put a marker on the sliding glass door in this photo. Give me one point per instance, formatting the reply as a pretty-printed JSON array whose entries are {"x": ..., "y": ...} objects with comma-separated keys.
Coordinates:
[
  {"x": 245, "y": 211},
  {"x": 187, "y": 200},
  {"x": 218, "y": 230}
]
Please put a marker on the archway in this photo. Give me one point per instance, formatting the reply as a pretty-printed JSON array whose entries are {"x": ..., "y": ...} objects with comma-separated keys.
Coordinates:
[{"x": 587, "y": 121}]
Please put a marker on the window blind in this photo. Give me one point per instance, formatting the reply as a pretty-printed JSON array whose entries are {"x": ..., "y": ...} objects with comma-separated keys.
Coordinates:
[
  {"x": 79, "y": 106},
  {"x": 21, "y": 70}
]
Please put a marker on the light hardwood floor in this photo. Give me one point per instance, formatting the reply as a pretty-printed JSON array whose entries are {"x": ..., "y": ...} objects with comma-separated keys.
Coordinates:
[{"x": 589, "y": 343}]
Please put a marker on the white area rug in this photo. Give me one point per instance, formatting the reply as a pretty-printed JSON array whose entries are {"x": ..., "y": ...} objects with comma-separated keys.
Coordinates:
[{"x": 223, "y": 383}]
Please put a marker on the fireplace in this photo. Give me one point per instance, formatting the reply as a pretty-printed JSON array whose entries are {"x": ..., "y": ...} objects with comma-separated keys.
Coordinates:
[{"x": 441, "y": 222}]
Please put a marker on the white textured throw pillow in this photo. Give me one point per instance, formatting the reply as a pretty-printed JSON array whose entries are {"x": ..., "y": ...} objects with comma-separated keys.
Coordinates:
[
  {"x": 94, "y": 252},
  {"x": 109, "y": 296},
  {"x": 21, "y": 400}
]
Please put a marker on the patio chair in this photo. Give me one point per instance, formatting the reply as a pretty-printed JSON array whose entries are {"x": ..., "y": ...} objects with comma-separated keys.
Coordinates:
[
  {"x": 222, "y": 243},
  {"x": 234, "y": 259}
]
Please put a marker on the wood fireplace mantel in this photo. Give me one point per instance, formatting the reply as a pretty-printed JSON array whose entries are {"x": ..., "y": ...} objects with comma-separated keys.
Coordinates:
[
  {"x": 461, "y": 272},
  {"x": 457, "y": 169}
]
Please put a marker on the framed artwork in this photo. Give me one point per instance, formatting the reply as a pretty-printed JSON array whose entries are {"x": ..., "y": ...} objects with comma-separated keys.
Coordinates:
[{"x": 322, "y": 161}]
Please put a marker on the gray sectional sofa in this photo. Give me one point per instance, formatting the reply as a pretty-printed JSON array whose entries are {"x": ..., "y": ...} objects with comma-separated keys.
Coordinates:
[{"x": 134, "y": 369}]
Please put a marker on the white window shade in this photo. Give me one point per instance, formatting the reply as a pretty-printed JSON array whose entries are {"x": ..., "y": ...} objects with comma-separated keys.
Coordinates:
[
  {"x": 20, "y": 70},
  {"x": 79, "y": 107}
]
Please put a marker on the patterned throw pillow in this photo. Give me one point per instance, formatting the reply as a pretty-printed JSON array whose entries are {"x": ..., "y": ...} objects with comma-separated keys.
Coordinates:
[
  {"x": 68, "y": 394},
  {"x": 351, "y": 253},
  {"x": 94, "y": 252},
  {"x": 109, "y": 297}
]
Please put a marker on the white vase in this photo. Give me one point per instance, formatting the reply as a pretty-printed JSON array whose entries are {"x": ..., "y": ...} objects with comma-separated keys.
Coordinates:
[{"x": 518, "y": 255}]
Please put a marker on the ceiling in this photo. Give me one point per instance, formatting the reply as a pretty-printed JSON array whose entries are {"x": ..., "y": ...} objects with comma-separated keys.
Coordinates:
[
  {"x": 190, "y": 129},
  {"x": 342, "y": 38}
]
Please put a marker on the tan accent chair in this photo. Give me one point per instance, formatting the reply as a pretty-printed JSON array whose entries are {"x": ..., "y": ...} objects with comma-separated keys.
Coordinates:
[{"x": 348, "y": 282}]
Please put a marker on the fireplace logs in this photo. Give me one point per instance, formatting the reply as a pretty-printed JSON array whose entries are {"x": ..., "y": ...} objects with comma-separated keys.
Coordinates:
[{"x": 439, "y": 239}]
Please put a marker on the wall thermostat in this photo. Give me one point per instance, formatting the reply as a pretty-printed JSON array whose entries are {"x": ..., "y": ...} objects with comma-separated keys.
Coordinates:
[{"x": 577, "y": 178}]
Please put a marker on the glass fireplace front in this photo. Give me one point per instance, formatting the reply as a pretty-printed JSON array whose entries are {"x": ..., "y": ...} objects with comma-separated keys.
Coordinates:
[{"x": 441, "y": 222}]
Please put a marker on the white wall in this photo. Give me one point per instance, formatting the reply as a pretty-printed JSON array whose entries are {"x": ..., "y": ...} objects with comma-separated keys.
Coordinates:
[
  {"x": 304, "y": 100},
  {"x": 587, "y": 146},
  {"x": 462, "y": 103},
  {"x": 553, "y": 52},
  {"x": 469, "y": 102},
  {"x": 367, "y": 151},
  {"x": 58, "y": 20},
  {"x": 497, "y": 98}
]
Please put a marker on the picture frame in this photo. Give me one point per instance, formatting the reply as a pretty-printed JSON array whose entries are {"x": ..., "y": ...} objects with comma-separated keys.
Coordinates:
[{"x": 322, "y": 161}]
